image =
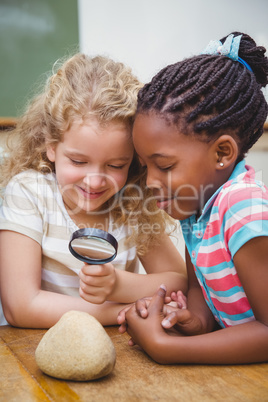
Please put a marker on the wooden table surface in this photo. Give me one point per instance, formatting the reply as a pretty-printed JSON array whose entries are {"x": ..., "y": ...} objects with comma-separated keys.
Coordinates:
[{"x": 135, "y": 376}]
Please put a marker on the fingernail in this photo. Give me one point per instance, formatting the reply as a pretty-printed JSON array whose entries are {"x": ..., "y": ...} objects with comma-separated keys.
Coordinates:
[
  {"x": 165, "y": 322},
  {"x": 163, "y": 287}
]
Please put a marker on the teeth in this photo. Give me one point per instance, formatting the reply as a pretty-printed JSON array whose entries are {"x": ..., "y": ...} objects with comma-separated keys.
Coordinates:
[{"x": 92, "y": 192}]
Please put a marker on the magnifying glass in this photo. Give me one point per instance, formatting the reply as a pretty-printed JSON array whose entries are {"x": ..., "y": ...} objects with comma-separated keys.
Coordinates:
[{"x": 93, "y": 246}]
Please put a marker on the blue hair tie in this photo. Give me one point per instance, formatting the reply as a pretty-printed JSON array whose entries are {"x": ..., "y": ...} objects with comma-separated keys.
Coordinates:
[{"x": 229, "y": 48}]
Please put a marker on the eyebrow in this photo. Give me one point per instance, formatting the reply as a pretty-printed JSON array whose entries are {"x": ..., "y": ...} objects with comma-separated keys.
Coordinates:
[
  {"x": 73, "y": 152},
  {"x": 81, "y": 154},
  {"x": 158, "y": 155},
  {"x": 123, "y": 158}
]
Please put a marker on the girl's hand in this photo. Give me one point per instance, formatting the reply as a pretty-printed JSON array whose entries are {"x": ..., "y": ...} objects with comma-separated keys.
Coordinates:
[
  {"x": 181, "y": 318},
  {"x": 141, "y": 310},
  {"x": 147, "y": 332},
  {"x": 183, "y": 321},
  {"x": 97, "y": 282},
  {"x": 141, "y": 306},
  {"x": 179, "y": 298}
]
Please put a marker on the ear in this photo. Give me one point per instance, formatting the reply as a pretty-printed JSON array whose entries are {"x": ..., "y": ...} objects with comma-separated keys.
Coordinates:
[
  {"x": 226, "y": 151},
  {"x": 51, "y": 152}
]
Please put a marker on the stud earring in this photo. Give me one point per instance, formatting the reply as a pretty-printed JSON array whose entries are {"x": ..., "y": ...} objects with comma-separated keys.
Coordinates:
[{"x": 221, "y": 164}]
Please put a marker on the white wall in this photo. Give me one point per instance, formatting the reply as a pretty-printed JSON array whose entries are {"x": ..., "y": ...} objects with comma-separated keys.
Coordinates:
[
  {"x": 149, "y": 34},
  {"x": 259, "y": 160}
]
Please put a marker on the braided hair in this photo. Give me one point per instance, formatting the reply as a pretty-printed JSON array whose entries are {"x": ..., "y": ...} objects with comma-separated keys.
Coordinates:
[{"x": 208, "y": 95}]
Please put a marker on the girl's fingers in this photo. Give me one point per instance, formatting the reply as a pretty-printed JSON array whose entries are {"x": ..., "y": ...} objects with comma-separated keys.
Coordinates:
[
  {"x": 170, "y": 320},
  {"x": 122, "y": 316},
  {"x": 122, "y": 328},
  {"x": 97, "y": 270},
  {"x": 141, "y": 308},
  {"x": 168, "y": 299},
  {"x": 131, "y": 342},
  {"x": 182, "y": 300},
  {"x": 158, "y": 299},
  {"x": 180, "y": 317},
  {"x": 173, "y": 296}
]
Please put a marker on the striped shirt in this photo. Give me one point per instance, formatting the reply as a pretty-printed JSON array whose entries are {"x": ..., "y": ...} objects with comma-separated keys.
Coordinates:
[
  {"x": 33, "y": 206},
  {"x": 235, "y": 214}
]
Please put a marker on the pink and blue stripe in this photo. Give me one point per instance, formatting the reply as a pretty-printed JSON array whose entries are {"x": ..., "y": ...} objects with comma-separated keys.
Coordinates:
[{"x": 235, "y": 214}]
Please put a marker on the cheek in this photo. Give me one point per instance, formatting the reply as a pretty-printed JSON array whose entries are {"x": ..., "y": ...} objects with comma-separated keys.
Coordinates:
[
  {"x": 118, "y": 179},
  {"x": 67, "y": 174}
]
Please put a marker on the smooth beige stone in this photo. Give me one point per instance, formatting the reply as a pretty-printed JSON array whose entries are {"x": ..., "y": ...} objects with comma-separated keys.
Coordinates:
[{"x": 76, "y": 348}]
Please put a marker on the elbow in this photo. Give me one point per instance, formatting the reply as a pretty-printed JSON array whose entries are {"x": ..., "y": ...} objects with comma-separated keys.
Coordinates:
[
  {"x": 161, "y": 358},
  {"x": 13, "y": 316},
  {"x": 160, "y": 352},
  {"x": 9, "y": 316}
]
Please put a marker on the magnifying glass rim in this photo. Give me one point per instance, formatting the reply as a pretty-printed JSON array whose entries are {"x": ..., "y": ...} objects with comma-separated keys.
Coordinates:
[{"x": 101, "y": 234}]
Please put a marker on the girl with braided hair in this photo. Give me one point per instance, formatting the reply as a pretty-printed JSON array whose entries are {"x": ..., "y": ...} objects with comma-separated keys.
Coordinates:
[{"x": 194, "y": 123}]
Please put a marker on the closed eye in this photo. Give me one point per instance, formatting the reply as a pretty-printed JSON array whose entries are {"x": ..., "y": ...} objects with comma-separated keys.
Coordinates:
[
  {"x": 165, "y": 168},
  {"x": 77, "y": 163},
  {"x": 117, "y": 166}
]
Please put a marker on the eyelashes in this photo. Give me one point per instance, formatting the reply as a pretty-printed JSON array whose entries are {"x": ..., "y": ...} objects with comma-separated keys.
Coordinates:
[{"x": 81, "y": 163}]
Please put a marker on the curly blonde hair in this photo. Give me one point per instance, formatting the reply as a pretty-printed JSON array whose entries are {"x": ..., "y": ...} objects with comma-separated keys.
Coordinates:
[{"x": 82, "y": 88}]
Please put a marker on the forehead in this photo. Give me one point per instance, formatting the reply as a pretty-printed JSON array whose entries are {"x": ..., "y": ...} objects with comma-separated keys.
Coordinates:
[
  {"x": 151, "y": 131},
  {"x": 91, "y": 138},
  {"x": 153, "y": 136},
  {"x": 93, "y": 128},
  {"x": 150, "y": 122}
]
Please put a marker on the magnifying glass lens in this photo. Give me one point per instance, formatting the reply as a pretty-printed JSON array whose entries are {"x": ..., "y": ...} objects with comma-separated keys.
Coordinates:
[{"x": 93, "y": 246}]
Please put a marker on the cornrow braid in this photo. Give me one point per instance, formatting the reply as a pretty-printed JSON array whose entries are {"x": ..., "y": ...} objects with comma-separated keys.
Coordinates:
[{"x": 208, "y": 95}]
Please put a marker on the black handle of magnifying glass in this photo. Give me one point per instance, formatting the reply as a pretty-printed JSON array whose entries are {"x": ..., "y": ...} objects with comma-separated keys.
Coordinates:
[{"x": 101, "y": 234}]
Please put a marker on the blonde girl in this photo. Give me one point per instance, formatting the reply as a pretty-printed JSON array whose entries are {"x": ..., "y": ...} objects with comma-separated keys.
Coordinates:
[{"x": 72, "y": 165}]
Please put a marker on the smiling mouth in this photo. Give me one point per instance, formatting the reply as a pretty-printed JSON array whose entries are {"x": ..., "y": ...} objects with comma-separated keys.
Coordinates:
[
  {"x": 163, "y": 203},
  {"x": 92, "y": 195}
]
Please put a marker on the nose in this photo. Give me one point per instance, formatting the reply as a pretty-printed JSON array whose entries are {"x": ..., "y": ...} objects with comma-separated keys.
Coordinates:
[
  {"x": 152, "y": 180},
  {"x": 95, "y": 180}
]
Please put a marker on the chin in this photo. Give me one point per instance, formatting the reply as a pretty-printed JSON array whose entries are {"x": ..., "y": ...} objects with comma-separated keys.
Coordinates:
[{"x": 180, "y": 216}]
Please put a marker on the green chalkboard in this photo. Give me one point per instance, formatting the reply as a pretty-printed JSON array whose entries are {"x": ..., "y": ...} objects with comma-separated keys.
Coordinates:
[{"x": 33, "y": 35}]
